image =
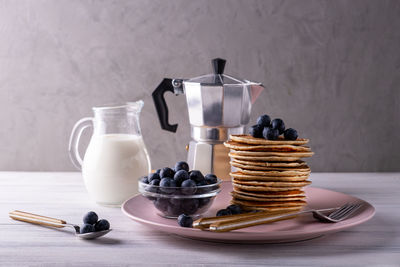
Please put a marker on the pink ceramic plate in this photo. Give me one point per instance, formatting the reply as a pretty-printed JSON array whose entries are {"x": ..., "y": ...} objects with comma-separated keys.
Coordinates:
[{"x": 306, "y": 227}]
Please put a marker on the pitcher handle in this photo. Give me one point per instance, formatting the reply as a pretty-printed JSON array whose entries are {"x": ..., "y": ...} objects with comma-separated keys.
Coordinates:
[{"x": 73, "y": 147}]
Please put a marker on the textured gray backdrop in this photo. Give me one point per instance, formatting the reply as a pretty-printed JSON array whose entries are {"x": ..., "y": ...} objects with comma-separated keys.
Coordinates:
[{"x": 331, "y": 70}]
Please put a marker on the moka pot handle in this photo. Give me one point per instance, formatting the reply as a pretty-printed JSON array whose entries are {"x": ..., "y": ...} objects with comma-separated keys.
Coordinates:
[{"x": 161, "y": 105}]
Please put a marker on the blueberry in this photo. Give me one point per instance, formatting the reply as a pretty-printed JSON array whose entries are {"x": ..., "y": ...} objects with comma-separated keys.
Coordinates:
[
  {"x": 224, "y": 212},
  {"x": 202, "y": 188},
  {"x": 102, "y": 225},
  {"x": 167, "y": 185},
  {"x": 181, "y": 165},
  {"x": 153, "y": 186},
  {"x": 256, "y": 131},
  {"x": 190, "y": 205},
  {"x": 180, "y": 176},
  {"x": 270, "y": 134},
  {"x": 234, "y": 209},
  {"x": 202, "y": 183},
  {"x": 87, "y": 228},
  {"x": 290, "y": 134},
  {"x": 167, "y": 172},
  {"x": 176, "y": 201},
  {"x": 185, "y": 220},
  {"x": 161, "y": 204},
  {"x": 278, "y": 124},
  {"x": 153, "y": 176},
  {"x": 211, "y": 178},
  {"x": 204, "y": 201},
  {"x": 90, "y": 218},
  {"x": 196, "y": 176},
  {"x": 174, "y": 210},
  {"x": 155, "y": 182},
  {"x": 264, "y": 120},
  {"x": 188, "y": 187},
  {"x": 144, "y": 179}
]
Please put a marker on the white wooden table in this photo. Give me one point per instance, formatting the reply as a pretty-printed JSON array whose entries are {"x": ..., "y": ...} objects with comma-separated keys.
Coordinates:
[{"x": 62, "y": 195}]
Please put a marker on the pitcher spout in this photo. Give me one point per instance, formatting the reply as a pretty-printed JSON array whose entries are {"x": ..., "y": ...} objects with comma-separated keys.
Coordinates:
[{"x": 135, "y": 106}]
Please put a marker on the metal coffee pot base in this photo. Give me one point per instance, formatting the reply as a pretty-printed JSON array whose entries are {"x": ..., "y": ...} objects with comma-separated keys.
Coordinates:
[{"x": 209, "y": 157}]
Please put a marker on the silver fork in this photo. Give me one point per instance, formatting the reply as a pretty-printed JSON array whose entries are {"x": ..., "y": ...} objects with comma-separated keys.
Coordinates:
[{"x": 338, "y": 215}]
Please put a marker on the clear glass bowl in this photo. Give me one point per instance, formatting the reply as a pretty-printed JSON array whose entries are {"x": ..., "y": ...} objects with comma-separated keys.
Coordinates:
[{"x": 173, "y": 201}]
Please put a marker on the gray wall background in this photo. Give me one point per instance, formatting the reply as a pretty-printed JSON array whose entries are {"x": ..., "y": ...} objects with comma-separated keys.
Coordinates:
[{"x": 331, "y": 70}]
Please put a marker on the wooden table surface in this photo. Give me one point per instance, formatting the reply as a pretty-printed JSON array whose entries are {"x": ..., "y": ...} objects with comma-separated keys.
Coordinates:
[{"x": 62, "y": 195}]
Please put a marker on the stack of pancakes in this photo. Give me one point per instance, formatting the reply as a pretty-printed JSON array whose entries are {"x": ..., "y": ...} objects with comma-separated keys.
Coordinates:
[{"x": 270, "y": 174}]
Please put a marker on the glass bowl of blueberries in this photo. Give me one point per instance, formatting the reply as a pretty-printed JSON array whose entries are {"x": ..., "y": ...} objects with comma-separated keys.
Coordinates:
[{"x": 176, "y": 191}]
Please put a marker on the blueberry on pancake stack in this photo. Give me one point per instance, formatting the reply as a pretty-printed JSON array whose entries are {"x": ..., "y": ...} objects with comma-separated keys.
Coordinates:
[{"x": 270, "y": 174}]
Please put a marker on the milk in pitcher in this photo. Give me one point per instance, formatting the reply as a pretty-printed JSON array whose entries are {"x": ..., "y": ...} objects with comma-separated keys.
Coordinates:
[{"x": 112, "y": 165}]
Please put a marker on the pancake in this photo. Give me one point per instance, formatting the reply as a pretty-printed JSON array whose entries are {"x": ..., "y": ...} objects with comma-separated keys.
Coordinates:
[
  {"x": 257, "y": 198},
  {"x": 265, "y": 158},
  {"x": 275, "y": 154},
  {"x": 294, "y": 203},
  {"x": 246, "y": 177},
  {"x": 248, "y": 139},
  {"x": 274, "y": 194},
  {"x": 267, "y": 168},
  {"x": 260, "y": 188},
  {"x": 275, "y": 210},
  {"x": 267, "y": 148},
  {"x": 271, "y": 184},
  {"x": 299, "y": 163},
  {"x": 269, "y": 173}
]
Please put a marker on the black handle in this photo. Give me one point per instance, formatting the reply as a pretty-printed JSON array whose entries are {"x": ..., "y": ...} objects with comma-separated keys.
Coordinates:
[
  {"x": 161, "y": 105},
  {"x": 218, "y": 65}
]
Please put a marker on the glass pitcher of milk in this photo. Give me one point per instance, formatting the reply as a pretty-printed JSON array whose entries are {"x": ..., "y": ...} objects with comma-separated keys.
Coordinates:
[{"x": 116, "y": 156}]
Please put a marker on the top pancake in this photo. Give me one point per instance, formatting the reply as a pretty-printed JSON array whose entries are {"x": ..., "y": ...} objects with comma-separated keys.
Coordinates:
[
  {"x": 248, "y": 139},
  {"x": 266, "y": 148}
]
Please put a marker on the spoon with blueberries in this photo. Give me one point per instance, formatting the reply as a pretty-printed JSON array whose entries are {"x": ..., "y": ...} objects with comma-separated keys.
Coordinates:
[{"x": 91, "y": 229}]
